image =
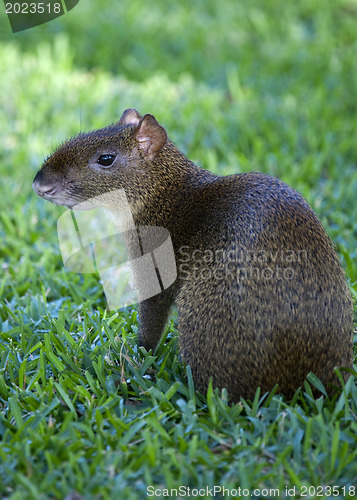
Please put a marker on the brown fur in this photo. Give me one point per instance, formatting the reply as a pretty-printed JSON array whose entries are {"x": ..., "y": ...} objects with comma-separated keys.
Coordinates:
[{"x": 239, "y": 324}]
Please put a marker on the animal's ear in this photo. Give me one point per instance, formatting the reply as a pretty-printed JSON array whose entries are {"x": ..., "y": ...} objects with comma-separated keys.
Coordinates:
[
  {"x": 130, "y": 117},
  {"x": 150, "y": 135}
]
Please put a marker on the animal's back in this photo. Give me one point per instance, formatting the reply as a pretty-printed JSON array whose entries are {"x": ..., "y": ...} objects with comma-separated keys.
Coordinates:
[{"x": 268, "y": 312}]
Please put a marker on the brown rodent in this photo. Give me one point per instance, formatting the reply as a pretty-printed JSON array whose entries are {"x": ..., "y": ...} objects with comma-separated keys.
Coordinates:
[{"x": 260, "y": 293}]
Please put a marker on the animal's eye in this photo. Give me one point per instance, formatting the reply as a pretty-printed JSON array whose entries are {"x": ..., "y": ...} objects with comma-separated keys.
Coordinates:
[{"x": 106, "y": 160}]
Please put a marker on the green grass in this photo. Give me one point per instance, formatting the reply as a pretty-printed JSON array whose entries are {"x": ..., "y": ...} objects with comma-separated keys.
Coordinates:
[{"x": 253, "y": 86}]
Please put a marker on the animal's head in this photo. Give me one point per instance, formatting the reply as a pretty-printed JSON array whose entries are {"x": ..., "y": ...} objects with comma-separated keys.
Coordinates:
[{"x": 120, "y": 156}]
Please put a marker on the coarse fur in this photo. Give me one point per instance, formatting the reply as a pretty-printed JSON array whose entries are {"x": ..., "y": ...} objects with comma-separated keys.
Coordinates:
[{"x": 260, "y": 293}]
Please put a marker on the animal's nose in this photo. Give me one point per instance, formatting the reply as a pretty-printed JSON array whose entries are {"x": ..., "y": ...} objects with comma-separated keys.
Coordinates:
[{"x": 42, "y": 188}]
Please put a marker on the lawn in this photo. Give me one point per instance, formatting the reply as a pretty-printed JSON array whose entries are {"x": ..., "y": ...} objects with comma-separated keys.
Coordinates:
[{"x": 252, "y": 86}]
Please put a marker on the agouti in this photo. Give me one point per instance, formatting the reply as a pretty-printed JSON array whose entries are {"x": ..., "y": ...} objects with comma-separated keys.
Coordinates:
[{"x": 260, "y": 292}]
